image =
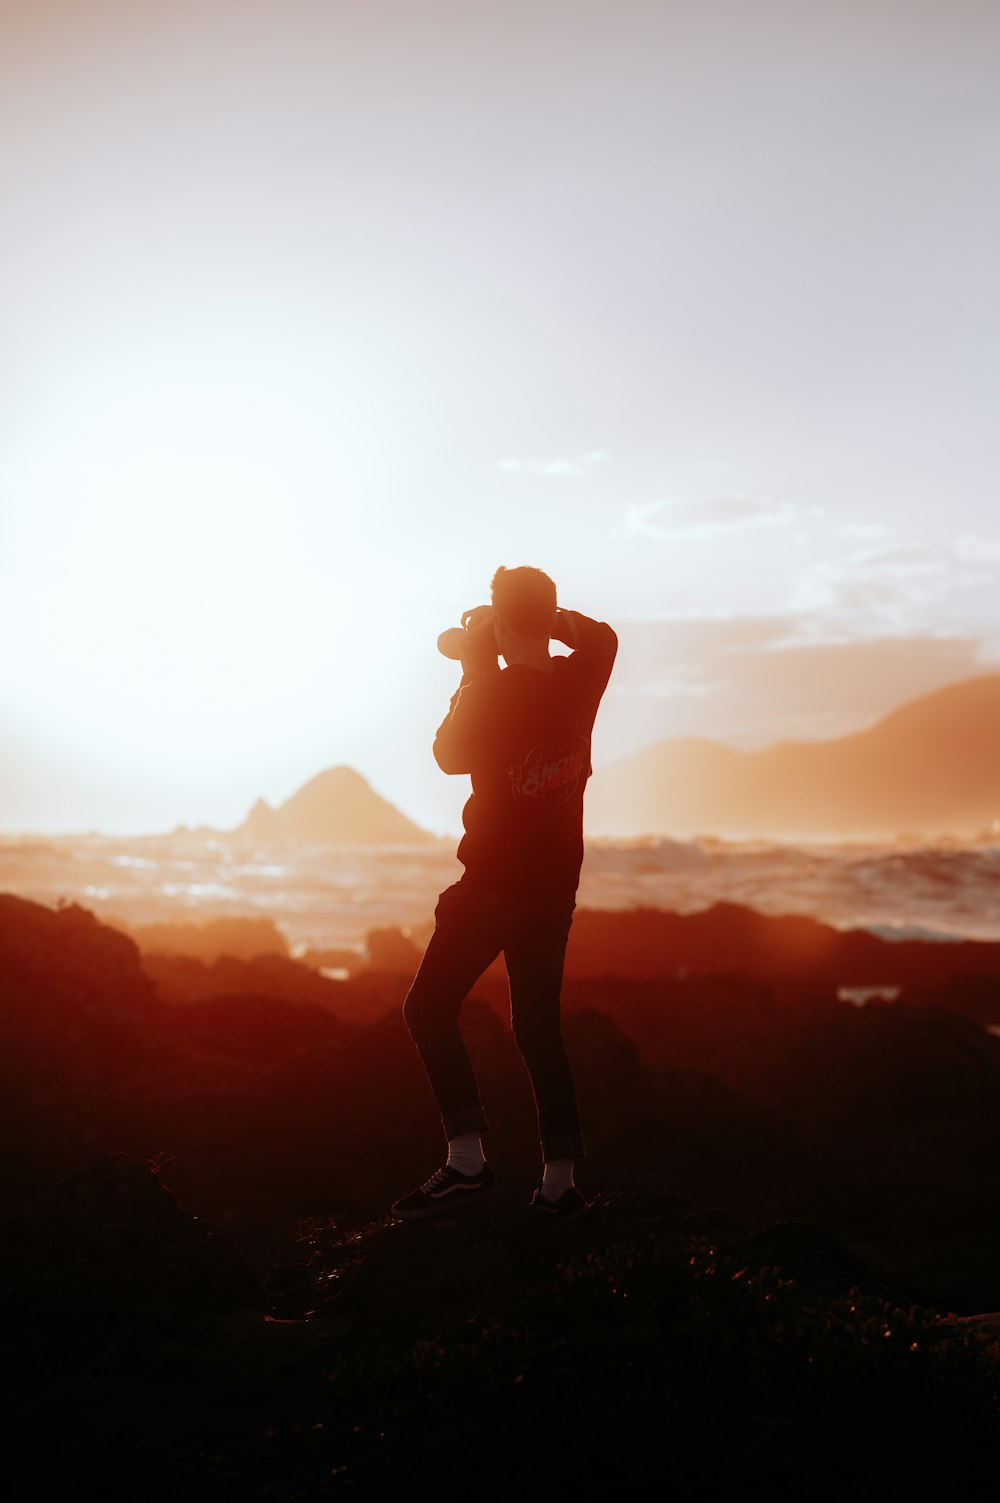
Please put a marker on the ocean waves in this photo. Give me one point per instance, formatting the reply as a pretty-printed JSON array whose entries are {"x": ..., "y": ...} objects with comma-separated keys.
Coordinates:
[{"x": 327, "y": 896}]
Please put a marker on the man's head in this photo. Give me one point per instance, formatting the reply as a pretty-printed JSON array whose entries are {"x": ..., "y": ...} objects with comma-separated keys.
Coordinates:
[{"x": 525, "y": 601}]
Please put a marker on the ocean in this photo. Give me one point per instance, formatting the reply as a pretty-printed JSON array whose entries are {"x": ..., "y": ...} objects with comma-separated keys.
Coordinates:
[{"x": 330, "y": 897}]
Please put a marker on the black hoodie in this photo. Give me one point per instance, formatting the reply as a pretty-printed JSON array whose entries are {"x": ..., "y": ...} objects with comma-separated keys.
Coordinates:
[{"x": 524, "y": 735}]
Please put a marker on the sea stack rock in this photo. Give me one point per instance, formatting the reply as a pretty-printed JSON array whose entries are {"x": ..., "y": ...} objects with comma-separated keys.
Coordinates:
[{"x": 337, "y": 807}]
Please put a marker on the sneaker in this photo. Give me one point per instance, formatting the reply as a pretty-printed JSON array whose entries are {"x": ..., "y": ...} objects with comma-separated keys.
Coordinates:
[
  {"x": 446, "y": 1190},
  {"x": 569, "y": 1204}
]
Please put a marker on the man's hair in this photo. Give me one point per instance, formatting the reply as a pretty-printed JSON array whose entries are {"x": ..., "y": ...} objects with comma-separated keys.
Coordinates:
[{"x": 526, "y": 598}]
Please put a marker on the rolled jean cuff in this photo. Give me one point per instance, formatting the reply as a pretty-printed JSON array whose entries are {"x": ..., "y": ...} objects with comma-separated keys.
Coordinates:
[
  {"x": 471, "y": 1119},
  {"x": 563, "y": 1145}
]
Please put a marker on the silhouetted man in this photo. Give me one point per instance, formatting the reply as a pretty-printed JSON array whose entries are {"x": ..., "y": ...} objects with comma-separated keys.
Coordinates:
[{"x": 523, "y": 733}]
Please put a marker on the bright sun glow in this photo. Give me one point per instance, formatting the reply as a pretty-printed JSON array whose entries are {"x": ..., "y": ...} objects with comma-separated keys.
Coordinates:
[{"x": 188, "y": 506}]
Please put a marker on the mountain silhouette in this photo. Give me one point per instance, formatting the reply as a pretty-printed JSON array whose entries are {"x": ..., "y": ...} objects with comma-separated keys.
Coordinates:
[
  {"x": 932, "y": 766},
  {"x": 337, "y": 807}
]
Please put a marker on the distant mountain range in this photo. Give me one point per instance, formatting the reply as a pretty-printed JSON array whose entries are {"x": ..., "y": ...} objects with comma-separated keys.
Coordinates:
[{"x": 930, "y": 767}]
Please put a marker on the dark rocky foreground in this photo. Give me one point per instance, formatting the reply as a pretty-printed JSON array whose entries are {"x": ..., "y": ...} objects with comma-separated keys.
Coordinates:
[
  {"x": 281, "y": 1095},
  {"x": 793, "y": 1342},
  {"x": 646, "y": 1344}
]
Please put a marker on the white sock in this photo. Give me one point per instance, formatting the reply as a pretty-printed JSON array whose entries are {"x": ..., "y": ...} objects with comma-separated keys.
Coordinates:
[
  {"x": 557, "y": 1178},
  {"x": 465, "y": 1153}
]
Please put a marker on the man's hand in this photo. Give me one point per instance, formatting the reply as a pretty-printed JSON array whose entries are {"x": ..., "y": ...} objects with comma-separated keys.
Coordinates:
[
  {"x": 477, "y": 616},
  {"x": 564, "y": 629},
  {"x": 479, "y": 650}
]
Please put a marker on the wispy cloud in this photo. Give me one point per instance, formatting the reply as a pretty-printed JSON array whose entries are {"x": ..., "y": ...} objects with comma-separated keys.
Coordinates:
[
  {"x": 884, "y": 587},
  {"x": 556, "y": 468},
  {"x": 864, "y": 532},
  {"x": 675, "y": 520},
  {"x": 978, "y": 548}
]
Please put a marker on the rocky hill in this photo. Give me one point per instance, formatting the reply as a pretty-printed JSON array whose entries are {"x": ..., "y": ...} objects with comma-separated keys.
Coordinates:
[{"x": 337, "y": 807}]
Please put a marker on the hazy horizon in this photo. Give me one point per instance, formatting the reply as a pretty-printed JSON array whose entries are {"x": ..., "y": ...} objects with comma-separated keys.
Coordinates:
[{"x": 606, "y": 816}]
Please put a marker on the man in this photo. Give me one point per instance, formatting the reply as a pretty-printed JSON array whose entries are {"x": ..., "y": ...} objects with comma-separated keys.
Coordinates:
[{"x": 523, "y": 732}]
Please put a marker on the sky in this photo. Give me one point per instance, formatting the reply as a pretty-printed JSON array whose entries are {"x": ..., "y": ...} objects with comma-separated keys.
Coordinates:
[{"x": 314, "y": 312}]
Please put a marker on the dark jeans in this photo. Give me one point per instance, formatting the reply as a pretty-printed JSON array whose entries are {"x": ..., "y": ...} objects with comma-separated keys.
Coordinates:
[{"x": 472, "y": 926}]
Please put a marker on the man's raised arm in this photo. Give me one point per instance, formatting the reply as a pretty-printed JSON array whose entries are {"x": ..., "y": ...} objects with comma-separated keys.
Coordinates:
[
  {"x": 594, "y": 643},
  {"x": 465, "y": 733}
]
